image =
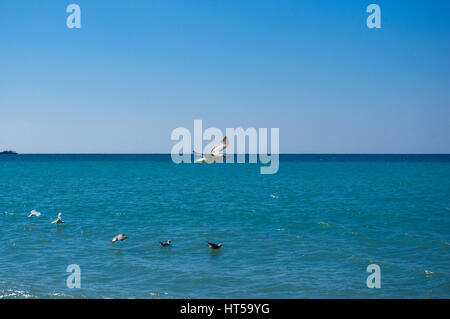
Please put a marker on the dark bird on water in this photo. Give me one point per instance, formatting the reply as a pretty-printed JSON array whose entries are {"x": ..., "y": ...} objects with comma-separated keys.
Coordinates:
[
  {"x": 214, "y": 246},
  {"x": 165, "y": 243},
  {"x": 119, "y": 237}
]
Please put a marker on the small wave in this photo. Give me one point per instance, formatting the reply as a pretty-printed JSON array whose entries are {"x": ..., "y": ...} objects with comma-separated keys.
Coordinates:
[
  {"x": 9, "y": 213},
  {"x": 157, "y": 294},
  {"x": 407, "y": 235},
  {"x": 274, "y": 196},
  {"x": 60, "y": 295},
  {"x": 12, "y": 294},
  {"x": 280, "y": 229},
  {"x": 428, "y": 272},
  {"x": 323, "y": 223}
]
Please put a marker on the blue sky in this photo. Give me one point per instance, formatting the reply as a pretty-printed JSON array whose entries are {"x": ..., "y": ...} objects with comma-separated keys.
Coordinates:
[{"x": 136, "y": 70}]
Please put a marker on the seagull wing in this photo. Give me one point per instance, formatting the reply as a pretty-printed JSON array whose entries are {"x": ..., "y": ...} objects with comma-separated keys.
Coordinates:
[
  {"x": 208, "y": 158},
  {"x": 220, "y": 147},
  {"x": 213, "y": 245},
  {"x": 200, "y": 160}
]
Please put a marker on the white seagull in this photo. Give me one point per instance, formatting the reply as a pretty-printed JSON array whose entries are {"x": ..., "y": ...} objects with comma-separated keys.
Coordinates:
[
  {"x": 58, "y": 219},
  {"x": 34, "y": 213},
  {"x": 119, "y": 237},
  {"x": 215, "y": 156}
]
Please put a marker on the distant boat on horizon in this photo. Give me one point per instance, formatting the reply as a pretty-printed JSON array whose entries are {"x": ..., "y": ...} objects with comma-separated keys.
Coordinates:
[{"x": 9, "y": 152}]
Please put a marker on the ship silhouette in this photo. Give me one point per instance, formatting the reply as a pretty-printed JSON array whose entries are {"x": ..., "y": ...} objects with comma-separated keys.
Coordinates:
[{"x": 9, "y": 152}]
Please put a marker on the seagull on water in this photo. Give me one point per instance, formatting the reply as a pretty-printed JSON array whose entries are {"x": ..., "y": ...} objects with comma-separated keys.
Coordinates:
[
  {"x": 214, "y": 246},
  {"x": 119, "y": 237},
  {"x": 34, "y": 213},
  {"x": 58, "y": 220},
  {"x": 165, "y": 243},
  {"x": 215, "y": 156}
]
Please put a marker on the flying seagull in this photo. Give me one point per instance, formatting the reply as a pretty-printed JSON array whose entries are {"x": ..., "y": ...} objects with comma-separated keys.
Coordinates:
[
  {"x": 119, "y": 237},
  {"x": 165, "y": 243},
  {"x": 34, "y": 213},
  {"x": 214, "y": 246},
  {"x": 215, "y": 156},
  {"x": 58, "y": 220}
]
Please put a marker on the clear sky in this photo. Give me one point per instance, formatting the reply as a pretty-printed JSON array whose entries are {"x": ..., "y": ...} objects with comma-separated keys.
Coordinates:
[{"x": 136, "y": 70}]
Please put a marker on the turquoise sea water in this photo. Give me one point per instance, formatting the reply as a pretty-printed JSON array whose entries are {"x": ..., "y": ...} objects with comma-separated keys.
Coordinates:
[{"x": 308, "y": 231}]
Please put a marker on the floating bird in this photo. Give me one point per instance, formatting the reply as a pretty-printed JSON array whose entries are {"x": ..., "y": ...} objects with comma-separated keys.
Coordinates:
[
  {"x": 34, "y": 213},
  {"x": 214, "y": 246},
  {"x": 119, "y": 237},
  {"x": 215, "y": 156},
  {"x": 165, "y": 244},
  {"x": 58, "y": 219}
]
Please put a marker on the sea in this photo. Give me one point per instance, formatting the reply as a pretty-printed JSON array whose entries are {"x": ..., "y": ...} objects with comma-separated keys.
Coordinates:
[{"x": 311, "y": 230}]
